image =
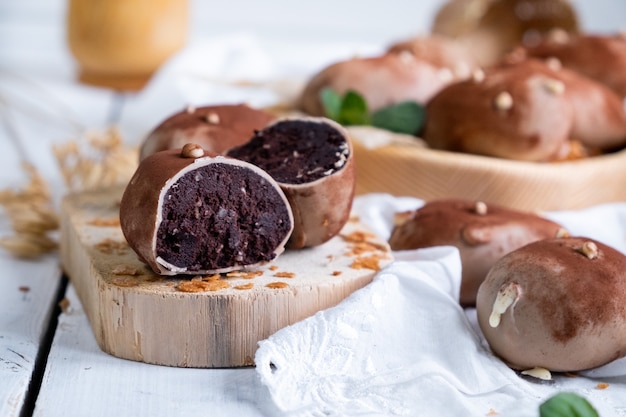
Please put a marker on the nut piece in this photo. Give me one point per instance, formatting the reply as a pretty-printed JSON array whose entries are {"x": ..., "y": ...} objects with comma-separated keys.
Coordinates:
[
  {"x": 192, "y": 150},
  {"x": 590, "y": 250},
  {"x": 213, "y": 118},
  {"x": 558, "y": 35},
  {"x": 554, "y": 86},
  {"x": 481, "y": 208},
  {"x": 504, "y": 101},
  {"x": 406, "y": 57},
  {"x": 478, "y": 75},
  {"x": 562, "y": 232},
  {"x": 554, "y": 63},
  {"x": 507, "y": 296},
  {"x": 539, "y": 373},
  {"x": 446, "y": 75}
]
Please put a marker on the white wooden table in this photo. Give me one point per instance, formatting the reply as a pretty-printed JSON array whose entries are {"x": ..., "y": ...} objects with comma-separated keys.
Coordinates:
[{"x": 50, "y": 364}]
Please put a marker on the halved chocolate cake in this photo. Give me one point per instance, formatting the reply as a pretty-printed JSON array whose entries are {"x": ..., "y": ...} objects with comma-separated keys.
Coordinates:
[
  {"x": 188, "y": 212},
  {"x": 311, "y": 159}
]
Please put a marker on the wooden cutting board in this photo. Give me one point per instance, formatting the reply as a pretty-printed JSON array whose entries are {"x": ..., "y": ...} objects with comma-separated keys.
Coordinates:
[{"x": 200, "y": 321}]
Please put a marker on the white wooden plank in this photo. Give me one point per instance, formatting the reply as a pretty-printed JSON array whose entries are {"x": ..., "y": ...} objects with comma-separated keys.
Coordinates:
[
  {"x": 27, "y": 297},
  {"x": 82, "y": 380}
]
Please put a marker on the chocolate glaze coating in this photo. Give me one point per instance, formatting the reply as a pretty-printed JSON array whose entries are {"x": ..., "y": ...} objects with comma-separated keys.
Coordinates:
[
  {"x": 312, "y": 160},
  {"x": 600, "y": 57},
  {"x": 492, "y": 28},
  {"x": 523, "y": 109},
  {"x": 441, "y": 52},
  {"x": 482, "y": 239},
  {"x": 203, "y": 214},
  {"x": 567, "y": 311},
  {"x": 215, "y": 128},
  {"x": 381, "y": 80}
]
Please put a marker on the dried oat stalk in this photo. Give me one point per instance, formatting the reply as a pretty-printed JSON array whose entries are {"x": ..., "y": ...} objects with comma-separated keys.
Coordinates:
[
  {"x": 32, "y": 217},
  {"x": 99, "y": 159}
]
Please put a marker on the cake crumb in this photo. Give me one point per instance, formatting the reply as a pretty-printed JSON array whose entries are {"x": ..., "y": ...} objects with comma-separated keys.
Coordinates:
[
  {"x": 124, "y": 281},
  {"x": 104, "y": 222},
  {"x": 110, "y": 246},
  {"x": 244, "y": 274},
  {"x": 602, "y": 385},
  {"x": 202, "y": 284},
  {"x": 277, "y": 284},
  {"x": 273, "y": 267},
  {"x": 24, "y": 288},
  {"x": 358, "y": 236},
  {"x": 336, "y": 273},
  {"x": 64, "y": 304},
  {"x": 247, "y": 286},
  {"x": 360, "y": 248},
  {"x": 207, "y": 278},
  {"x": 492, "y": 412},
  {"x": 285, "y": 274},
  {"x": 126, "y": 270},
  {"x": 368, "y": 262}
]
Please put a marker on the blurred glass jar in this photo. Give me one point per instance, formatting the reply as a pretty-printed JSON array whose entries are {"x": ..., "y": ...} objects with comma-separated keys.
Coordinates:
[{"x": 121, "y": 43}]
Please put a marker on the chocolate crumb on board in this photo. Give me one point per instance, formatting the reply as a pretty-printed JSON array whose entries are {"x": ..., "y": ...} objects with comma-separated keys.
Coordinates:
[
  {"x": 24, "y": 288},
  {"x": 336, "y": 273}
]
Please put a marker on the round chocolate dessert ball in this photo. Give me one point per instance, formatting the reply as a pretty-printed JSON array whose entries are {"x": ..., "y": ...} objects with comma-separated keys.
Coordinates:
[
  {"x": 482, "y": 232},
  {"x": 312, "y": 160},
  {"x": 557, "y": 304},
  {"x": 189, "y": 212},
  {"x": 215, "y": 128}
]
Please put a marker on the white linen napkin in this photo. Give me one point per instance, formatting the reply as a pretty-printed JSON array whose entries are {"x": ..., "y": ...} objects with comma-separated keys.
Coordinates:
[{"x": 403, "y": 346}]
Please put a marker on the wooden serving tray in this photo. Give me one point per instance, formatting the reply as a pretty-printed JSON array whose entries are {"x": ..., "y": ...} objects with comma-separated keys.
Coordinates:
[
  {"x": 200, "y": 321},
  {"x": 405, "y": 166}
]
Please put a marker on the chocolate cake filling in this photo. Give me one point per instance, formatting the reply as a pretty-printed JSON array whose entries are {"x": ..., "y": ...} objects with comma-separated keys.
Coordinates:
[
  {"x": 219, "y": 215},
  {"x": 296, "y": 151}
]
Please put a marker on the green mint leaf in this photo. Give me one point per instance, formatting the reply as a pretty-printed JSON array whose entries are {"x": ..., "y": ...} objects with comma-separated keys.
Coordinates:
[
  {"x": 405, "y": 117},
  {"x": 331, "y": 102},
  {"x": 567, "y": 404},
  {"x": 353, "y": 110}
]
